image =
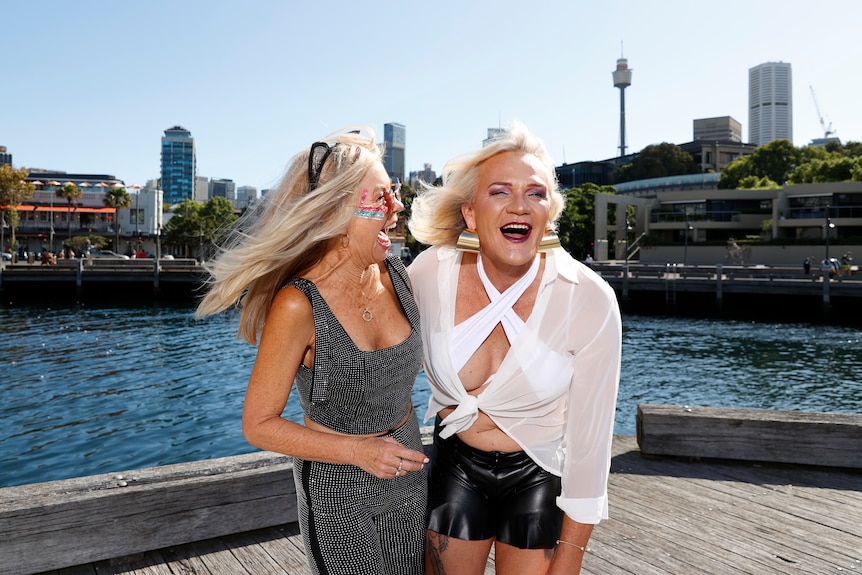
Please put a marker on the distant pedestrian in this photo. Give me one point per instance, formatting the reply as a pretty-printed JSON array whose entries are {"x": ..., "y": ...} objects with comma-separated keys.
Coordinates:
[
  {"x": 846, "y": 261},
  {"x": 589, "y": 260},
  {"x": 806, "y": 265}
]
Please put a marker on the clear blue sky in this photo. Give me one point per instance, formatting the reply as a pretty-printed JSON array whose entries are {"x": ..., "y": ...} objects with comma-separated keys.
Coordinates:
[{"x": 90, "y": 86}]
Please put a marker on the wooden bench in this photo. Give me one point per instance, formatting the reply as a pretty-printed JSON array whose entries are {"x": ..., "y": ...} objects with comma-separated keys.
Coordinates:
[
  {"x": 60, "y": 524},
  {"x": 808, "y": 438}
]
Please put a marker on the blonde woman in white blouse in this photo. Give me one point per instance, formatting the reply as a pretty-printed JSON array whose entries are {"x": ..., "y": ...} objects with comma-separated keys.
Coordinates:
[{"x": 522, "y": 352}]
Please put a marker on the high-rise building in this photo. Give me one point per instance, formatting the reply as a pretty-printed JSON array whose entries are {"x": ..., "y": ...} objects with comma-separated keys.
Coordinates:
[
  {"x": 223, "y": 188},
  {"x": 178, "y": 165},
  {"x": 202, "y": 189},
  {"x": 4, "y": 157},
  {"x": 770, "y": 103},
  {"x": 395, "y": 139},
  {"x": 719, "y": 129}
]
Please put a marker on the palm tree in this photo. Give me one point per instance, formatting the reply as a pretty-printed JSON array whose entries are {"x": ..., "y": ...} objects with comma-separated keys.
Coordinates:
[
  {"x": 71, "y": 194},
  {"x": 117, "y": 198}
]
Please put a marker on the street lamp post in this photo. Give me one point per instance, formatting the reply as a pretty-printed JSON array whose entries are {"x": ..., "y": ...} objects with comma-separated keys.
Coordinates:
[
  {"x": 628, "y": 228},
  {"x": 3, "y": 230},
  {"x": 828, "y": 226},
  {"x": 685, "y": 231},
  {"x": 827, "y": 265}
]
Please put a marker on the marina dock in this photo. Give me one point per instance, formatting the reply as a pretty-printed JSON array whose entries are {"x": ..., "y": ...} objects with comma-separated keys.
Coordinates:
[
  {"x": 96, "y": 276},
  {"x": 668, "y": 516}
]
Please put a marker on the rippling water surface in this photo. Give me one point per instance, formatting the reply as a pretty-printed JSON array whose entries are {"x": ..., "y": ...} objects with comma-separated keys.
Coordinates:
[{"x": 90, "y": 389}]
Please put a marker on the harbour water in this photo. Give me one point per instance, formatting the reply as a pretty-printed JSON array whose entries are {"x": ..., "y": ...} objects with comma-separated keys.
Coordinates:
[{"x": 103, "y": 388}]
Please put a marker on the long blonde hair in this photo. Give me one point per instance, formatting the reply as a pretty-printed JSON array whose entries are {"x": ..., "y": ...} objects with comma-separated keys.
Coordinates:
[
  {"x": 436, "y": 217},
  {"x": 290, "y": 233}
]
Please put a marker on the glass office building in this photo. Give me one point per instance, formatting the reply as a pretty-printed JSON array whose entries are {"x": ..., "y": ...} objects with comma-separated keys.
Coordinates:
[{"x": 178, "y": 165}]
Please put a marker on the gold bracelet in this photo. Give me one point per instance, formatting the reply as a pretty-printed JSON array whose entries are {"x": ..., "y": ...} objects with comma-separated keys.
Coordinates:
[{"x": 583, "y": 549}]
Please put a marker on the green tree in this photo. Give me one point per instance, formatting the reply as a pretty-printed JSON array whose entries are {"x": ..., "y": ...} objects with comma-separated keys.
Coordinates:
[
  {"x": 71, "y": 194},
  {"x": 776, "y": 161},
  {"x": 577, "y": 223},
  {"x": 195, "y": 227},
  {"x": 755, "y": 183},
  {"x": 117, "y": 198},
  {"x": 833, "y": 168},
  {"x": 657, "y": 161},
  {"x": 81, "y": 243},
  {"x": 14, "y": 189}
]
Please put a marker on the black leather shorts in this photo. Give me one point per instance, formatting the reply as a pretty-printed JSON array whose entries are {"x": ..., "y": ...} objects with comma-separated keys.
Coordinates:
[{"x": 477, "y": 495}]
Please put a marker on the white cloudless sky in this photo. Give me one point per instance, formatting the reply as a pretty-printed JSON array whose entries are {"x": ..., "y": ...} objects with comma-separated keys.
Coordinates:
[{"x": 90, "y": 86}]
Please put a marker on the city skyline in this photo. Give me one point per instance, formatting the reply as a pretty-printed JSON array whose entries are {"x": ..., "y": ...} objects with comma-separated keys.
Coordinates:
[{"x": 92, "y": 86}]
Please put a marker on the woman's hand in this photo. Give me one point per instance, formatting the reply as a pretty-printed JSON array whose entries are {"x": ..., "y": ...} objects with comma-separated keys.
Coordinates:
[{"x": 385, "y": 458}]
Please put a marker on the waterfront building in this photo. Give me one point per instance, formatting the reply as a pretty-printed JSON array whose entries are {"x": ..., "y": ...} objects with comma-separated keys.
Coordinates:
[
  {"x": 684, "y": 211},
  {"x": 178, "y": 165},
  {"x": 770, "y": 103},
  {"x": 395, "y": 141},
  {"x": 46, "y": 220}
]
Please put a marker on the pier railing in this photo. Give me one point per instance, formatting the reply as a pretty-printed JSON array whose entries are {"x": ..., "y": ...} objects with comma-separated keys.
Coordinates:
[{"x": 83, "y": 274}]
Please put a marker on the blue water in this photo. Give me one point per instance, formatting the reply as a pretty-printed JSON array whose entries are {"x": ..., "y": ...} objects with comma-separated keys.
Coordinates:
[{"x": 89, "y": 389}]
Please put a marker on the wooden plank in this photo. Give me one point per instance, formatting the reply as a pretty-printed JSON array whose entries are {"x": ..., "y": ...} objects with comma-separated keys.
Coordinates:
[
  {"x": 824, "y": 439},
  {"x": 88, "y": 519},
  {"x": 150, "y": 563},
  {"x": 785, "y": 524},
  {"x": 284, "y": 544},
  {"x": 772, "y": 536}
]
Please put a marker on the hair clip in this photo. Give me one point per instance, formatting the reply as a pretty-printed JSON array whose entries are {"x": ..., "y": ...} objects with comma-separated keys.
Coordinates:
[{"x": 316, "y": 158}]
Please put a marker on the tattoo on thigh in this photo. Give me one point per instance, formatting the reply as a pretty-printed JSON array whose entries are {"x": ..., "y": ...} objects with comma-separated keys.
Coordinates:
[{"x": 436, "y": 545}]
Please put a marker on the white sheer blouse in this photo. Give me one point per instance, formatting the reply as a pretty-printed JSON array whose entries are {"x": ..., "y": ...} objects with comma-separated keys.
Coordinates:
[{"x": 555, "y": 391}]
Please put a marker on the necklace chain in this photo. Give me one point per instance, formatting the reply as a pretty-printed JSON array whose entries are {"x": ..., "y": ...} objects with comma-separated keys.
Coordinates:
[{"x": 367, "y": 314}]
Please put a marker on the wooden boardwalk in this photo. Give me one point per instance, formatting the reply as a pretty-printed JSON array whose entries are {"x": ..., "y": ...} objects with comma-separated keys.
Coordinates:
[{"x": 668, "y": 517}]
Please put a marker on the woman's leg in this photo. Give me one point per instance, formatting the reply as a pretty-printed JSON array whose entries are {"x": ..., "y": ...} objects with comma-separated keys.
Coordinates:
[
  {"x": 446, "y": 555},
  {"x": 513, "y": 561}
]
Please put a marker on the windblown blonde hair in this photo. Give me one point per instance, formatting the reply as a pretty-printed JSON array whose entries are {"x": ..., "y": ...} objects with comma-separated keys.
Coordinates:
[
  {"x": 436, "y": 217},
  {"x": 290, "y": 233}
]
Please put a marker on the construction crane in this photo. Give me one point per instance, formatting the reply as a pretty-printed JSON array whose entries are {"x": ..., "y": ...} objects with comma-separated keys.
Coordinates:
[{"x": 827, "y": 130}]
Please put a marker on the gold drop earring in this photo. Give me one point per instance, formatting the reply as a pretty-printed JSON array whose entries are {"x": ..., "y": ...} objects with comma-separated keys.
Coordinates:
[
  {"x": 549, "y": 242},
  {"x": 468, "y": 241}
]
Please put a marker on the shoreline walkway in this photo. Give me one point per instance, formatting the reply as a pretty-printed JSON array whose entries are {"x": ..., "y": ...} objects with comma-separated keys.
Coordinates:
[{"x": 668, "y": 516}]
